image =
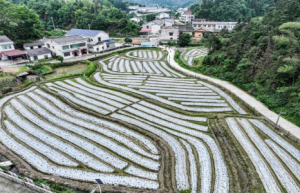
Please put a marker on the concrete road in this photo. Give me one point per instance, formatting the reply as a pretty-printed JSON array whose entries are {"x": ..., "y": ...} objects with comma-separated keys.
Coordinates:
[
  {"x": 251, "y": 101},
  {"x": 7, "y": 186}
]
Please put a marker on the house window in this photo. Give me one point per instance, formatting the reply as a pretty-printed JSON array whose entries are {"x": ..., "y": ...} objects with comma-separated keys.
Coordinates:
[
  {"x": 39, "y": 46},
  {"x": 99, "y": 39},
  {"x": 65, "y": 47},
  {"x": 46, "y": 57},
  {"x": 67, "y": 54},
  {"x": 35, "y": 57},
  {"x": 97, "y": 49},
  {"x": 88, "y": 40},
  {"x": 31, "y": 47},
  {"x": 102, "y": 47},
  {"x": 5, "y": 47},
  {"x": 171, "y": 38},
  {"x": 91, "y": 39},
  {"x": 81, "y": 44},
  {"x": 74, "y": 46},
  {"x": 171, "y": 33},
  {"x": 48, "y": 45},
  {"x": 147, "y": 27},
  {"x": 53, "y": 47},
  {"x": 107, "y": 45},
  {"x": 208, "y": 25}
]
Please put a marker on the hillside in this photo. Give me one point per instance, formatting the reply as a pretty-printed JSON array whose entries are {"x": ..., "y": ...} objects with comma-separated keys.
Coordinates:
[
  {"x": 35, "y": 17},
  {"x": 231, "y": 10},
  {"x": 262, "y": 58}
]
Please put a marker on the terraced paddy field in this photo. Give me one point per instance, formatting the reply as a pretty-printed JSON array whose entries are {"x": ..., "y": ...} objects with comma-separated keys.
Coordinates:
[
  {"x": 193, "y": 53},
  {"x": 140, "y": 126}
]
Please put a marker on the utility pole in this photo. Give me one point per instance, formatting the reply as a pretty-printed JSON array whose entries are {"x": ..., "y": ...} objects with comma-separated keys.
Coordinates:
[{"x": 53, "y": 23}]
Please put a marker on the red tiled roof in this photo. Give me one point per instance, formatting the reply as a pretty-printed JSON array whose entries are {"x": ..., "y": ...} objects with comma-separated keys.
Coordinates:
[
  {"x": 145, "y": 30},
  {"x": 13, "y": 53}
]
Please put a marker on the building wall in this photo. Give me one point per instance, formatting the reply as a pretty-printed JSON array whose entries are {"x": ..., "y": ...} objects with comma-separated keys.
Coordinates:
[
  {"x": 198, "y": 34},
  {"x": 165, "y": 34},
  {"x": 41, "y": 57},
  {"x": 111, "y": 46},
  {"x": 147, "y": 25},
  {"x": 187, "y": 18},
  {"x": 58, "y": 50},
  {"x": 155, "y": 29},
  {"x": 99, "y": 48}
]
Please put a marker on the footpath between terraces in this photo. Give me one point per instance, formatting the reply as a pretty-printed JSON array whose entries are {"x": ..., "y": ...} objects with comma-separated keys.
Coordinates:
[{"x": 248, "y": 99}]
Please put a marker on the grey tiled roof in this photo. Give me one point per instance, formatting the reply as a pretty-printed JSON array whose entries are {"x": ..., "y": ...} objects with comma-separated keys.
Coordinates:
[
  {"x": 68, "y": 39},
  {"x": 34, "y": 44},
  {"x": 83, "y": 32},
  {"x": 4, "y": 39},
  {"x": 37, "y": 52}
]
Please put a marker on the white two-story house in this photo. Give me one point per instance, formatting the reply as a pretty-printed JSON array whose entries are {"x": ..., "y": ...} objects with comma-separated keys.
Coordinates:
[
  {"x": 187, "y": 17},
  {"x": 95, "y": 38},
  {"x": 68, "y": 46},
  {"x": 8, "y": 51}
]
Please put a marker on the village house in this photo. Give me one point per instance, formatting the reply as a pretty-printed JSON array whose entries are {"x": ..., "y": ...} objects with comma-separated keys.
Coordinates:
[
  {"x": 155, "y": 26},
  {"x": 182, "y": 10},
  {"x": 213, "y": 26},
  {"x": 163, "y": 16},
  {"x": 38, "y": 54},
  {"x": 68, "y": 46},
  {"x": 95, "y": 38},
  {"x": 187, "y": 17},
  {"x": 185, "y": 29},
  {"x": 170, "y": 33},
  {"x": 34, "y": 45},
  {"x": 8, "y": 51}
]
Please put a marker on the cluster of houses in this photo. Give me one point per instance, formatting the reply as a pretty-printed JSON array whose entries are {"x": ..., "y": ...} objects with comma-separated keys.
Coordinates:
[
  {"x": 76, "y": 42},
  {"x": 165, "y": 30}
]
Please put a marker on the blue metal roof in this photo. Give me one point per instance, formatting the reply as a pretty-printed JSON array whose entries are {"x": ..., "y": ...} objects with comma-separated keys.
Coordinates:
[
  {"x": 83, "y": 32},
  {"x": 109, "y": 41}
]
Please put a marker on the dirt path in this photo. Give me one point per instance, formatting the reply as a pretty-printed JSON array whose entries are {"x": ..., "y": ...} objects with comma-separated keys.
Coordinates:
[{"x": 245, "y": 97}]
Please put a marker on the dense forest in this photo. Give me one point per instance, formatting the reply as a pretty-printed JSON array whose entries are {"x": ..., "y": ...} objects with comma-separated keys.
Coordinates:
[
  {"x": 231, "y": 10},
  {"x": 262, "y": 57},
  {"x": 25, "y": 20}
]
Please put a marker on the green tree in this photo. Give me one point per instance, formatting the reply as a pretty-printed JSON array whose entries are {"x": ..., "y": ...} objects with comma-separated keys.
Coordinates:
[
  {"x": 128, "y": 40},
  {"x": 150, "y": 17},
  {"x": 184, "y": 40},
  {"x": 60, "y": 58}
]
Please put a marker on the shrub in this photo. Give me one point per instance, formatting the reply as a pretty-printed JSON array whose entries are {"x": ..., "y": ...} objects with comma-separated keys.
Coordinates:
[
  {"x": 60, "y": 58},
  {"x": 6, "y": 90}
]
